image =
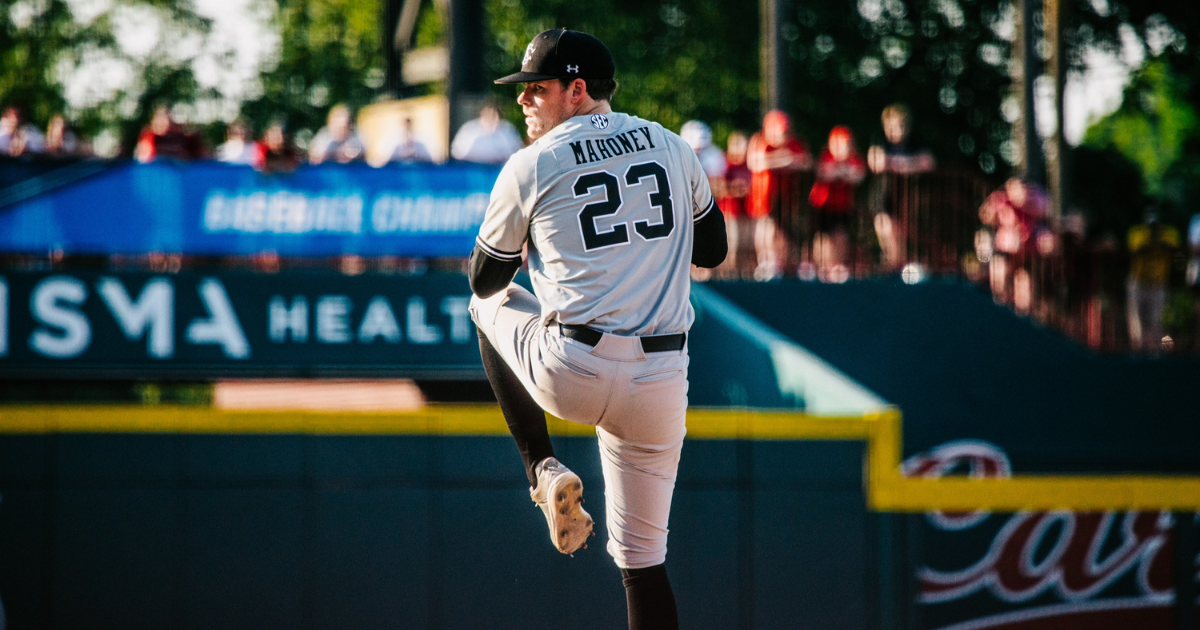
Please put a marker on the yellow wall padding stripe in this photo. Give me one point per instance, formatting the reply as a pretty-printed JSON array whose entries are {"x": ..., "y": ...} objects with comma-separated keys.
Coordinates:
[
  {"x": 887, "y": 489},
  {"x": 432, "y": 420},
  {"x": 459, "y": 420}
]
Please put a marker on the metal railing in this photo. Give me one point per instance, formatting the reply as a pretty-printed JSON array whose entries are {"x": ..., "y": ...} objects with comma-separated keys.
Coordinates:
[{"x": 934, "y": 216}]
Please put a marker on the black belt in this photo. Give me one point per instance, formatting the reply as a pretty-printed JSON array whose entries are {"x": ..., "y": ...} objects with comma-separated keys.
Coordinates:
[{"x": 591, "y": 337}]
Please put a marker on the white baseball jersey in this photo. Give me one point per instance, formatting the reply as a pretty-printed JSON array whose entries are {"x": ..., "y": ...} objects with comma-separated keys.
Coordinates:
[{"x": 606, "y": 203}]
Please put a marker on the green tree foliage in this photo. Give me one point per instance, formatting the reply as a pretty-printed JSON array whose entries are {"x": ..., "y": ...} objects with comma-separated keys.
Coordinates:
[
  {"x": 946, "y": 59},
  {"x": 61, "y": 57},
  {"x": 1151, "y": 126},
  {"x": 1108, "y": 188},
  {"x": 330, "y": 52},
  {"x": 675, "y": 61},
  {"x": 1160, "y": 26},
  {"x": 31, "y": 36},
  {"x": 1157, "y": 129},
  {"x": 54, "y": 55}
]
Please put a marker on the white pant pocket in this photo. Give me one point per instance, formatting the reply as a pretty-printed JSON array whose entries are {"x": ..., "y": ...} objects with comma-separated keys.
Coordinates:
[
  {"x": 655, "y": 376},
  {"x": 567, "y": 365}
]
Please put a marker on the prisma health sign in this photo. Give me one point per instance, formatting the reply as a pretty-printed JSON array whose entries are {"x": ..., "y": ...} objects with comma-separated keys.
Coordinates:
[{"x": 200, "y": 325}]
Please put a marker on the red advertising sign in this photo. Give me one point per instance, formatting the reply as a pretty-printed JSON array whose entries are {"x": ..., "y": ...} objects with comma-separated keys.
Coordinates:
[{"x": 1040, "y": 570}]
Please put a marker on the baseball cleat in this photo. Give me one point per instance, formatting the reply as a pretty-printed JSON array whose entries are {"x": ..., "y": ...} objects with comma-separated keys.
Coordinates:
[{"x": 560, "y": 495}]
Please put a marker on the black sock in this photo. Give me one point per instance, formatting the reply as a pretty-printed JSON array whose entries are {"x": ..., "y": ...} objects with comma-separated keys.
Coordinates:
[
  {"x": 526, "y": 420},
  {"x": 650, "y": 599}
]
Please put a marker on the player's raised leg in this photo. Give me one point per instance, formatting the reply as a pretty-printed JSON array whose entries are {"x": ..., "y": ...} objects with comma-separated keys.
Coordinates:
[
  {"x": 526, "y": 420},
  {"x": 513, "y": 318},
  {"x": 559, "y": 493}
]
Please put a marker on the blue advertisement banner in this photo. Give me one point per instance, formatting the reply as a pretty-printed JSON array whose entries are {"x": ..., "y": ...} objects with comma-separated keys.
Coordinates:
[
  {"x": 209, "y": 208},
  {"x": 144, "y": 325},
  {"x": 139, "y": 325}
]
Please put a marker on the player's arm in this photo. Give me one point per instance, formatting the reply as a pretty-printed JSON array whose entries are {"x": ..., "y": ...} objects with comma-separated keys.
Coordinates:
[
  {"x": 489, "y": 270},
  {"x": 709, "y": 245},
  {"x": 497, "y": 254}
]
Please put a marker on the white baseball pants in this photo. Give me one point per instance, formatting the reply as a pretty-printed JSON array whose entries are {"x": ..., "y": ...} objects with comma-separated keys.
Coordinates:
[{"x": 636, "y": 401}]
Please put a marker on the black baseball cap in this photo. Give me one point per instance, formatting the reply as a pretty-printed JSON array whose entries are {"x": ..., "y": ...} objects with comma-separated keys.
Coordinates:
[{"x": 563, "y": 54}]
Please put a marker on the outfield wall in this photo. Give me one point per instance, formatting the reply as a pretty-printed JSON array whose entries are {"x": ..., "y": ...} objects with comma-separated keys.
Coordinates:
[
  {"x": 174, "y": 517},
  {"x": 406, "y": 521},
  {"x": 144, "y": 517}
]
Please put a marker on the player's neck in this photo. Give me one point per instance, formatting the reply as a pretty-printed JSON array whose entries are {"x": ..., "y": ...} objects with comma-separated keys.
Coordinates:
[{"x": 589, "y": 106}]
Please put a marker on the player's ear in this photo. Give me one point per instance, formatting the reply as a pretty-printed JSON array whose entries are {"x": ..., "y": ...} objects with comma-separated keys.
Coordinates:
[{"x": 578, "y": 89}]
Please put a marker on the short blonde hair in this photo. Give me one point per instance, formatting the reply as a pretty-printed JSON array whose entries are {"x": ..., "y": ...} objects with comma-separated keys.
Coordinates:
[{"x": 895, "y": 110}]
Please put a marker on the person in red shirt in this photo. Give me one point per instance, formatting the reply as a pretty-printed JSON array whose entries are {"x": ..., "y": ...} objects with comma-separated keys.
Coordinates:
[
  {"x": 839, "y": 171},
  {"x": 164, "y": 138},
  {"x": 775, "y": 158},
  {"x": 1014, "y": 214},
  {"x": 733, "y": 199}
]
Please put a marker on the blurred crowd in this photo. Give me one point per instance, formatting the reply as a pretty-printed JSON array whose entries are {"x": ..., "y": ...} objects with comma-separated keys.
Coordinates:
[
  {"x": 20, "y": 137},
  {"x": 1140, "y": 293},
  {"x": 831, "y": 215},
  {"x": 792, "y": 213},
  {"x": 487, "y": 139},
  {"x": 826, "y": 215}
]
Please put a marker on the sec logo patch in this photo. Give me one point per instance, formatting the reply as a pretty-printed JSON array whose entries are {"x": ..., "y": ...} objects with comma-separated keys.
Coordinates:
[{"x": 600, "y": 121}]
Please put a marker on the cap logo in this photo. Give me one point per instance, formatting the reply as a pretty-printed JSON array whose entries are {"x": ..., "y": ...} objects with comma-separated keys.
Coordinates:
[
  {"x": 600, "y": 121},
  {"x": 572, "y": 69},
  {"x": 528, "y": 54}
]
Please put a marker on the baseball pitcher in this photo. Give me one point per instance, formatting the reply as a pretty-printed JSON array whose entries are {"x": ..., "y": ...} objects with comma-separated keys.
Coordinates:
[{"x": 610, "y": 211}]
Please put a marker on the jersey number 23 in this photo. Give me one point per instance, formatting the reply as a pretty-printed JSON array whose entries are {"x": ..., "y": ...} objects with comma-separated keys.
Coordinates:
[{"x": 618, "y": 234}]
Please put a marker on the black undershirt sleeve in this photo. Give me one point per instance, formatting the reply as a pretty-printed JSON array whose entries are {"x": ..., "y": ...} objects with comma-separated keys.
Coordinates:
[
  {"x": 489, "y": 274},
  {"x": 710, "y": 246}
]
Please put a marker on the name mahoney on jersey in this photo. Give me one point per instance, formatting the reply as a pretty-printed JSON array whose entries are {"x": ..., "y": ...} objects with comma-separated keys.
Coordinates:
[{"x": 586, "y": 152}]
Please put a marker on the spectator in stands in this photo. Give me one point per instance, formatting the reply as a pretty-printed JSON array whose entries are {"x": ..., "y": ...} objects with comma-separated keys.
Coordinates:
[
  {"x": 1193, "y": 267},
  {"x": 487, "y": 139},
  {"x": 732, "y": 200},
  {"x": 238, "y": 148},
  {"x": 10, "y": 126},
  {"x": 839, "y": 171},
  {"x": 337, "y": 141},
  {"x": 896, "y": 156},
  {"x": 1151, "y": 245},
  {"x": 17, "y": 135},
  {"x": 699, "y": 137},
  {"x": 1080, "y": 286},
  {"x": 1013, "y": 214},
  {"x": 1193, "y": 274},
  {"x": 775, "y": 158},
  {"x": 165, "y": 138},
  {"x": 275, "y": 152},
  {"x": 61, "y": 141},
  {"x": 405, "y": 148}
]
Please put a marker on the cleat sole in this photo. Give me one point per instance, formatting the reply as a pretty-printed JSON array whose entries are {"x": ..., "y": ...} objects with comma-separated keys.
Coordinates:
[{"x": 572, "y": 524}]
